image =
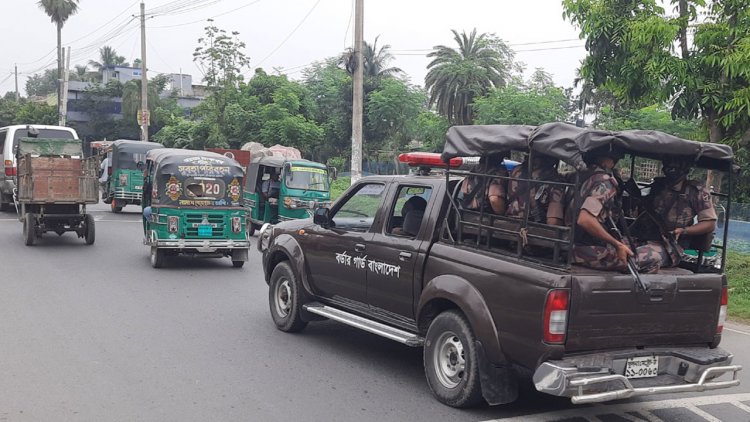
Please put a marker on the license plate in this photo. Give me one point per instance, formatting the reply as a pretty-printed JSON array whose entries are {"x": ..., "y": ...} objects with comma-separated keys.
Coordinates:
[
  {"x": 137, "y": 187},
  {"x": 199, "y": 225},
  {"x": 205, "y": 230},
  {"x": 642, "y": 367}
]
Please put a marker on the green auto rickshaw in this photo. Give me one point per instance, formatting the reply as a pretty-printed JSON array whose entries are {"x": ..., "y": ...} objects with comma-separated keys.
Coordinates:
[
  {"x": 193, "y": 206},
  {"x": 124, "y": 185},
  {"x": 295, "y": 188}
]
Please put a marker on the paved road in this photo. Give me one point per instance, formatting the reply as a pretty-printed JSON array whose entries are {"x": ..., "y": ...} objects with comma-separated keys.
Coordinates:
[{"x": 94, "y": 333}]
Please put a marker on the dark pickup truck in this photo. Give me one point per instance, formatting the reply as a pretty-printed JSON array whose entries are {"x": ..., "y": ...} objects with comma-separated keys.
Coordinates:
[{"x": 424, "y": 273}]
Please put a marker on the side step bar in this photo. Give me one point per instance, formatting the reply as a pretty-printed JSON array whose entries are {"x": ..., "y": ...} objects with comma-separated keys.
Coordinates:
[{"x": 365, "y": 324}]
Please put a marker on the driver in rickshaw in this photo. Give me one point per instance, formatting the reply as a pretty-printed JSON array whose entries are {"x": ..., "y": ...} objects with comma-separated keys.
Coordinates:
[{"x": 270, "y": 192}]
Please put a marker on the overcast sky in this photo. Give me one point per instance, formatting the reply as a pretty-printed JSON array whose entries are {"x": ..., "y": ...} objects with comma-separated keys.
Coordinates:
[{"x": 288, "y": 34}]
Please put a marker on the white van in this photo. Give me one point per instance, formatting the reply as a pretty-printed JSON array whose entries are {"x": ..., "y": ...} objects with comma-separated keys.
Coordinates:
[{"x": 9, "y": 137}]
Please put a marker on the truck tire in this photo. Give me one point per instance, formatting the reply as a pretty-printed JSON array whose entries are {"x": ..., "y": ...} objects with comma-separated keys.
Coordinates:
[
  {"x": 29, "y": 229},
  {"x": 90, "y": 229},
  {"x": 157, "y": 257},
  {"x": 450, "y": 361},
  {"x": 284, "y": 299}
]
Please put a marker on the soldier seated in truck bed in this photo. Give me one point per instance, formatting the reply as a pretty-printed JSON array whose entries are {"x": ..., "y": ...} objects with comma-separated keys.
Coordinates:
[{"x": 487, "y": 316}]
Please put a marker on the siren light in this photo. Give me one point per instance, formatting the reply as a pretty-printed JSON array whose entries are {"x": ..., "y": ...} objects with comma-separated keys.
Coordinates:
[{"x": 428, "y": 159}]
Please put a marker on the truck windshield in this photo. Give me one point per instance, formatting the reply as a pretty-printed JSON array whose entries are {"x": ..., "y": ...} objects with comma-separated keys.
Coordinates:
[{"x": 307, "y": 178}]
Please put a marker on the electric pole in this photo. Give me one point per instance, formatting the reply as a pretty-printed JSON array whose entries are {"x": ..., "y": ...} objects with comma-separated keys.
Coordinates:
[
  {"x": 144, "y": 78},
  {"x": 357, "y": 80},
  {"x": 18, "y": 97},
  {"x": 66, "y": 78}
]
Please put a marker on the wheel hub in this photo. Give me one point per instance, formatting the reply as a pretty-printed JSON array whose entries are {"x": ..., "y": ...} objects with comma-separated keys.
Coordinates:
[
  {"x": 449, "y": 360},
  {"x": 283, "y": 298}
]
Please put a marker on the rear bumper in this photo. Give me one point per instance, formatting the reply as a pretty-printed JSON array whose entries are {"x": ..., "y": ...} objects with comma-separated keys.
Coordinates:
[
  {"x": 599, "y": 377},
  {"x": 207, "y": 246},
  {"x": 128, "y": 196}
]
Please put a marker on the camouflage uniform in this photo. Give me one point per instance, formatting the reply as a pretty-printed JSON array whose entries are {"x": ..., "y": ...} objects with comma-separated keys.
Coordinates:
[
  {"x": 678, "y": 206},
  {"x": 600, "y": 191},
  {"x": 548, "y": 199},
  {"x": 494, "y": 187}
]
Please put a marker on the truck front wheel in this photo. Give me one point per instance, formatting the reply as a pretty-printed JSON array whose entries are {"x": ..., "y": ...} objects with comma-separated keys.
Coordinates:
[
  {"x": 284, "y": 299},
  {"x": 450, "y": 361}
]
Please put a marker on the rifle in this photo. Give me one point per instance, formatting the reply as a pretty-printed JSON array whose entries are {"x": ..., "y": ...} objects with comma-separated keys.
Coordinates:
[
  {"x": 632, "y": 266},
  {"x": 667, "y": 237}
]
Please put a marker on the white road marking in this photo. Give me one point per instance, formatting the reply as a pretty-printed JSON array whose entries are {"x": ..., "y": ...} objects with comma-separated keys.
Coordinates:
[
  {"x": 737, "y": 331},
  {"x": 643, "y": 408},
  {"x": 702, "y": 413}
]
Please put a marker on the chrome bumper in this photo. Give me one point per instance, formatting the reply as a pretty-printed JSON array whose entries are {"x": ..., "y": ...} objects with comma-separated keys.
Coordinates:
[
  {"x": 585, "y": 384},
  {"x": 128, "y": 196},
  {"x": 264, "y": 237},
  {"x": 201, "y": 245}
]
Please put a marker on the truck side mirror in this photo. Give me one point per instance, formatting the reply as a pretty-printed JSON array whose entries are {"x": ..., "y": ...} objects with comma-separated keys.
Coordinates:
[
  {"x": 321, "y": 217},
  {"x": 333, "y": 172}
]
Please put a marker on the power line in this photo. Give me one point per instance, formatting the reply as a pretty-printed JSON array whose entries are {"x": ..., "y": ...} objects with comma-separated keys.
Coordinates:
[
  {"x": 290, "y": 34},
  {"x": 105, "y": 24},
  {"x": 205, "y": 19},
  {"x": 349, "y": 23}
]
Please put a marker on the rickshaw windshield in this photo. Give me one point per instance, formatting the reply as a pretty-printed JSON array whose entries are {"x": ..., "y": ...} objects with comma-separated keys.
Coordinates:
[
  {"x": 307, "y": 178},
  {"x": 129, "y": 160}
]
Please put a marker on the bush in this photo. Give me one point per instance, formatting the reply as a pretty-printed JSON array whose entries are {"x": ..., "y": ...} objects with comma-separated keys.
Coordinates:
[
  {"x": 738, "y": 275},
  {"x": 339, "y": 186}
]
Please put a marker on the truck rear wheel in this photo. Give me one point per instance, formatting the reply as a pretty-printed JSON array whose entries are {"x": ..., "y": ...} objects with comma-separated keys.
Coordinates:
[
  {"x": 157, "y": 257},
  {"x": 29, "y": 229},
  {"x": 116, "y": 207},
  {"x": 90, "y": 229},
  {"x": 284, "y": 299},
  {"x": 450, "y": 361}
]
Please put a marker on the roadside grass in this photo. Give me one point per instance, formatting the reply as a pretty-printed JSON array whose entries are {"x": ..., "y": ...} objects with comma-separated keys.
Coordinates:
[
  {"x": 339, "y": 186},
  {"x": 738, "y": 275}
]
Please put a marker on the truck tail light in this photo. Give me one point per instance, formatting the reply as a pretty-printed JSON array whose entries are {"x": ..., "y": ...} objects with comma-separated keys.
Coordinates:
[
  {"x": 173, "y": 223},
  {"x": 236, "y": 224},
  {"x": 10, "y": 169},
  {"x": 556, "y": 316},
  {"x": 723, "y": 309}
]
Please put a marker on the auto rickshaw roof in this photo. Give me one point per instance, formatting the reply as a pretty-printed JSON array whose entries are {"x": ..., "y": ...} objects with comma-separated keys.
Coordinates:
[
  {"x": 570, "y": 143},
  {"x": 167, "y": 158},
  {"x": 278, "y": 162},
  {"x": 134, "y": 147}
]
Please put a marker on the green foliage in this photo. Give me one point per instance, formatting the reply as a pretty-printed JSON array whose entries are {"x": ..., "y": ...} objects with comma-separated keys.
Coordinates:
[
  {"x": 331, "y": 88},
  {"x": 26, "y": 112},
  {"x": 107, "y": 57},
  {"x": 390, "y": 115},
  {"x": 536, "y": 103},
  {"x": 42, "y": 84},
  {"x": 738, "y": 276},
  {"x": 650, "y": 118},
  {"x": 59, "y": 10},
  {"x": 456, "y": 77},
  {"x": 339, "y": 186},
  {"x": 429, "y": 131}
]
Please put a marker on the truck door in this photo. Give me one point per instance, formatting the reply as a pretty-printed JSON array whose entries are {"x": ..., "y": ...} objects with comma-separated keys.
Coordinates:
[
  {"x": 336, "y": 255},
  {"x": 394, "y": 255}
]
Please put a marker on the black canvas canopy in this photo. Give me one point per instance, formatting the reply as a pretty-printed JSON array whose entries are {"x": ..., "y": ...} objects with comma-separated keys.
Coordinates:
[
  {"x": 570, "y": 143},
  {"x": 123, "y": 152}
]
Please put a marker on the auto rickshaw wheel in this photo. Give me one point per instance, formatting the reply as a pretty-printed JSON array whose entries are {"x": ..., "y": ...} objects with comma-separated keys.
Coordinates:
[
  {"x": 238, "y": 264},
  {"x": 115, "y": 208},
  {"x": 250, "y": 229},
  {"x": 29, "y": 229},
  {"x": 90, "y": 229},
  {"x": 157, "y": 257}
]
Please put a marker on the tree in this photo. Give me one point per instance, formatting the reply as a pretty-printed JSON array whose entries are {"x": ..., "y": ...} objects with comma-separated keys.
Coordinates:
[
  {"x": 107, "y": 57},
  {"x": 42, "y": 84},
  {"x": 653, "y": 117},
  {"x": 59, "y": 11},
  {"x": 456, "y": 77},
  {"x": 631, "y": 54},
  {"x": 375, "y": 61},
  {"x": 536, "y": 102}
]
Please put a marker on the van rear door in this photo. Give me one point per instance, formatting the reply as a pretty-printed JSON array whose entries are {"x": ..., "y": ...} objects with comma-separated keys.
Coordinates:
[{"x": 608, "y": 311}]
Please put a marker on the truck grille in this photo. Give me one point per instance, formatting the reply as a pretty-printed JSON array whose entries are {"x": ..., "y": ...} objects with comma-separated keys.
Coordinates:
[{"x": 194, "y": 220}]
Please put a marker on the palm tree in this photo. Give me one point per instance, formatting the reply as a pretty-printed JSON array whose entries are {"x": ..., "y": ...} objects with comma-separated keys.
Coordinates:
[
  {"x": 107, "y": 57},
  {"x": 456, "y": 77},
  {"x": 59, "y": 11},
  {"x": 131, "y": 98},
  {"x": 375, "y": 60}
]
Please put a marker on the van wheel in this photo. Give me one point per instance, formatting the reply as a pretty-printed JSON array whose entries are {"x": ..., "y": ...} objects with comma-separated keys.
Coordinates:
[
  {"x": 90, "y": 229},
  {"x": 157, "y": 257},
  {"x": 29, "y": 229},
  {"x": 284, "y": 298},
  {"x": 116, "y": 208},
  {"x": 450, "y": 361}
]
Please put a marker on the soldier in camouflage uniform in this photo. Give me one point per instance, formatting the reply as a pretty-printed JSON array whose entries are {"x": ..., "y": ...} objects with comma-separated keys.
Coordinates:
[
  {"x": 546, "y": 199},
  {"x": 595, "y": 247},
  {"x": 678, "y": 202},
  {"x": 494, "y": 188}
]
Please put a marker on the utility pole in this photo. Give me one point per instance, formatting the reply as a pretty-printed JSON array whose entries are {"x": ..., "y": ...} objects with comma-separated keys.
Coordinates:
[
  {"x": 18, "y": 97},
  {"x": 357, "y": 106},
  {"x": 66, "y": 78},
  {"x": 144, "y": 78}
]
